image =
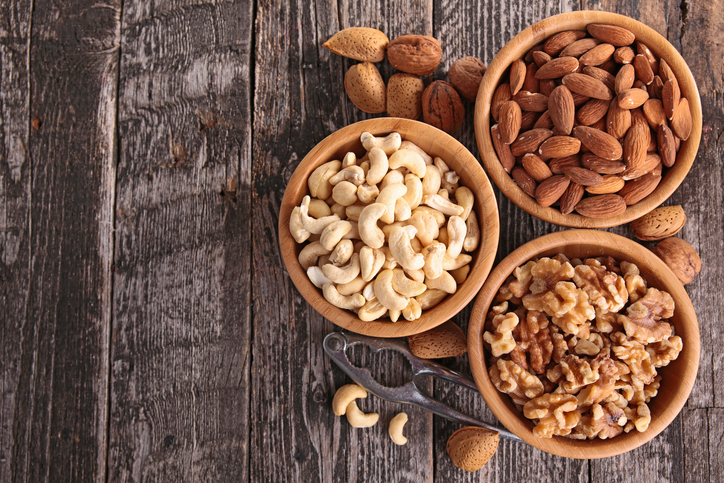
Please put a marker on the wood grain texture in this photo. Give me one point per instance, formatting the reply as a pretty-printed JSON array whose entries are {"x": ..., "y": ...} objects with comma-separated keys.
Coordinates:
[
  {"x": 180, "y": 352},
  {"x": 57, "y": 423}
]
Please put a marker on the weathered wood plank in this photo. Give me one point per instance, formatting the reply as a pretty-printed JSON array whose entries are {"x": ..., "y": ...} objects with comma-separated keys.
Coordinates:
[
  {"x": 181, "y": 320},
  {"x": 299, "y": 100},
  {"x": 61, "y": 181}
]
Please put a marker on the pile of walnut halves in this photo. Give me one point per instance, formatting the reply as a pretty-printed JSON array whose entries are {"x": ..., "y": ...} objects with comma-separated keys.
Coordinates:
[{"x": 576, "y": 345}]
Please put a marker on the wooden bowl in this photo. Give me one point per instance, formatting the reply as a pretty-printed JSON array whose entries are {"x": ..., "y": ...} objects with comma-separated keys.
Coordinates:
[
  {"x": 677, "y": 378},
  {"x": 434, "y": 142},
  {"x": 536, "y": 34}
]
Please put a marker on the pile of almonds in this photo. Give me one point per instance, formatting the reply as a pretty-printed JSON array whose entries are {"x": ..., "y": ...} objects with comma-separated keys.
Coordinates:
[
  {"x": 405, "y": 94},
  {"x": 589, "y": 122}
]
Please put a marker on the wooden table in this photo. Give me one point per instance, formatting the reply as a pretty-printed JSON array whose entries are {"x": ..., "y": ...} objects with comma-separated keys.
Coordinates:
[{"x": 149, "y": 331}]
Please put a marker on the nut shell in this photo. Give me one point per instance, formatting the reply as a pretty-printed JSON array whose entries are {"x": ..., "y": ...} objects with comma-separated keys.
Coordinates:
[
  {"x": 404, "y": 96},
  {"x": 365, "y": 88},
  {"x": 442, "y": 107},
  {"x": 359, "y": 43},
  {"x": 415, "y": 54},
  {"x": 680, "y": 256},
  {"x": 446, "y": 340},
  {"x": 660, "y": 223},
  {"x": 466, "y": 75},
  {"x": 471, "y": 447}
]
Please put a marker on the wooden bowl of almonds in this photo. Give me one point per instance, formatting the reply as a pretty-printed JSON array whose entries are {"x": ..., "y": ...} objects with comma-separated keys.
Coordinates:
[
  {"x": 584, "y": 344},
  {"x": 388, "y": 227},
  {"x": 588, "y": 119}
]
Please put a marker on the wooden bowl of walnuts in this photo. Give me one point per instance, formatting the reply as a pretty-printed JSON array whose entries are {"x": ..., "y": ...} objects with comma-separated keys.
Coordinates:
[
  {"x": 588, "y": 119},
  {"x": 584, "y": 344},
  {"x": 346, "y": 288}
]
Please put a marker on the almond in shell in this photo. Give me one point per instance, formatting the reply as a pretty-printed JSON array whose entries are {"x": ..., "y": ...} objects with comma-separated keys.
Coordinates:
[
  {"x": 446, "y": 340},
  {"x": 601, "y": 206},
  {"x": 660, "y": 223},
  {"x": 680, "y": 256},
  {"x": 415, "y": 54},
  {"x": 359, "y": 43},
  {"x": 471, "y": 447},
  {"x": 404, "y": 96},
  {"x": 365, "y": 88}
]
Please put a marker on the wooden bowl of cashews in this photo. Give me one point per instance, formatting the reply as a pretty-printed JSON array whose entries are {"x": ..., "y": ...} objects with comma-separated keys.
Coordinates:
[
  {"x": 433, "y": 144},
  {"x": 665, "y": 396}
]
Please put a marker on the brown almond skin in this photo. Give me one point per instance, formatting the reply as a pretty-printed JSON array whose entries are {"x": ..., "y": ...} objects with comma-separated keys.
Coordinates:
[
  {"x": 579, "y": 48},
  {"x": 501, "y": 95},
  {"x": 587, "y": 86},
  {"x": 611, "y": 184},
  {"x": 530, "y": 83},
  {"x": 536, "y": 167},
  {"x": 540, "y": 57},
  {"x": 415, "y": 54},
  {"x": 559, "y": 147},
  {"x": 682, "y": 122},
  {"x": 573, "y": 194},
  {"x": 543, "y": 122},
  {"x": 604, "y": 76},
  {"x": 557, "y": 68},
  {"x": 442, "y": 107},
  {"x": 654, "y": 112},
  {"x": 618, "y": 120},
  {"x": 625, "y": 78},
  {"x": 583, "y": 176},
  {"x": 557, "y": 165},
  {"x": 592, "y": 111},
  {"x": 531, "y": 101},
  {"x": 667, "y": 146},
  {"x": 638, "y": 189},
  {"x": 655, "y": 89},
  {"x": 529, "y": 141},
  {"x": 647, "y": 165},
  {"x": 470, "y": 448},
  {"x": 614, "y": 35},
  {"x": 681, "y": 258},
  {"x": 524, "y": 181},
  {"x": 465, "y": 75},
  {"x": 510, "y": 121},
  {"x": 598, "y": 55},
  {"x": 643, "y": 69},
  {"x": 550, "y": 190},
  {"x": 507, "y": 160},
  {"x": 600, "y": 143},
  {"x": 601, "y": 206},
  {"x": 635, "y": 144},
  {"x": 632, "y": 98},
  {"x": 601, "y": 165},
  {"x": 663, "y": 222},
  {"x": 670, "y": 96},
  {"x": 517, "y": 75},
  {"x": 624, "y": 55},
  {"x": 562, "y": 109},
  {"x": 529, "y": 120},
  {"x": 556, "y": 43}
]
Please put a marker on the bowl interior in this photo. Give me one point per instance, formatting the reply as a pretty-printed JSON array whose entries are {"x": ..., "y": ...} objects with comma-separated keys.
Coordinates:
[
  {"x": 435, "y": 143},
  {"x": 536, "y": 34},
  {"x": 677, "y": 378}
]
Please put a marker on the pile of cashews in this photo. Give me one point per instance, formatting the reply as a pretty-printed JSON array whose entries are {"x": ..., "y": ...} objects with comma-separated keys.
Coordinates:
[
  {"x": 344, "y": 403},
  {"x": 387, "y": 232}
]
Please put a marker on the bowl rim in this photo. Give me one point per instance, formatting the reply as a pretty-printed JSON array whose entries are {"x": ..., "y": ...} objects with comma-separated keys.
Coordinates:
[
  {"x": 486, "y": 208},
  {"x": 534, "y": 35},
  {"x": 686, "y": 325}
]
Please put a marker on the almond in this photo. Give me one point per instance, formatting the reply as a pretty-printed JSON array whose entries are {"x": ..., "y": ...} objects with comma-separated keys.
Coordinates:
[
  {"x": 618, "y": 120},
  {"x": 601, "y": 206},
  {"x": 466, "y": 75},
  {"x": 404, "y": 96},
  {"x": 507, "y": 160},
  {"x": 510, "y": 121},
  {"x": 557, "y": 165},
  {"x": 610, "y": 184},
  {"x": 524, "y": 181},
  {"x": 665, "y": 71},
  {"x": 614, "y": 35},
  {"x": 643, "y": 69},
  {"x": 546, "y": 86},
  {"x": 625, "y": 78},
  {"x": 536, "y": 167},
  {"x": 597, "y": 73},
  {"x": 529, "y": 120},
  {"x": 359, "y": 43},
  {"x": 365, "y": 88},
  {"x": 529, "y": 141},
  {"x": 557, "y": 68},
  {"x": 415, "y": 54},
  {"x": 544, "y": 121},
  {"x": 632, "y": 98},
  {"x": 592, "y": 111},
  {"x": 587, "y": 86},
  {"x": 500, "y": 96},
  {"x": 667, "y": 146},
  {"x": 583, "y": 176},
  {"x": 623, "y": 55},
  {"x": 635, "y": 144},
  {"x": 559, "y": 147},
  {"x": 531, "y": 101},
  {"x": 681, "y": 122},
  {"x": 597, "y": 55},
  {"x": 550, "y": 190},
  {"x": 579, "y": 47},
  {"x": 681, "y": 258},
  {"x": 442, "y": 107},
  {"x": 655, "y": 89},
  {"x": 556, "y": 43},
  {"x": 647, "y": 165},
  {"x": 571, "y": 197},
  {"x": 660, "y": 223},
  {"x": 540, "y": 57},
  {"x": 640, "y": 188},
  {"x": 643, "y": 49},
  {"x": 600, "y": 143},
  {"x": 471, "y": 447},
  {"x": 654, "y": 112},
  {"x": 670, "y": 96},
  {"x": 601, "y": 165},
  {"x": 561, "y": 109},
  {"x": 530, "y": 83},
  {"x": 517, "y": 75},
  {"x": 446, "y": 340}
]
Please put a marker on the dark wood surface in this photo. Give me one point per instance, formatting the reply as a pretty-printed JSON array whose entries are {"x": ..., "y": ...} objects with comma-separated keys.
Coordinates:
[{"x": 148, "y": 329}]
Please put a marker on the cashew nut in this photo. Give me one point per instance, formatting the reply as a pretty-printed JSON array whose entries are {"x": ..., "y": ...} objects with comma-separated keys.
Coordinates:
[
  {"x": 341, "y": 253},
  {"x": 370, "y": 260},
  {"x": 315, "y": 226},
  {"x": 296, "y": 228},
  {"x": 472, "y": 237},
  {"x": 431, "y": 181},
  {"x": 345, "y": 193},
  {"x": 465, "y": 198},
  {"x": 450, "y": 181},
  {"x": 439, "y": 217},
  {"x": 444, "y": 193},
  {"x": 386, "y": 294},
  {"x": 352, "y": 212},
  {"x": 444, "y": 282},
  {"x": 427, "y": 230},
  {"x": 348, "y": 302},
  {"x": 343, "y": 274},
  {"x": 317, "y": 277},
  {"x": 309, "y": 254},
  {"x": 367, "y": 194},
  {"x": 453, "y": 263},
  {"x": 443, "y": 237},
  {"x": 318, "y": 182},
  {"x": 406, "y": 286},
  {"x": 416, "y": 275},
  {"x": 323, "y": 260},
  {"x": 333, "y": 233},
  {"x": 353, "y": 233},
  {"x": 338, "y": 210},
  {"x": 413, "y": 311},
  {"x": 441, "y": 165},
  {"x": 414, "y": 191},
  {"x": 369, "y": 292},
  {"x": 389, "y": 144},
  {"x": 402, "y": 210},
  {"x": 394, "y": 315},
  {"x": 446, "y": 207},
  {"x": 410, "y": 160},
  {"x": 456, "y": 231},
  {"x": 434, "y": 254},
  {"x": 395, "y": 429},
  {"x": 416, "y": 244},
  {"x": 390, "y": 261},
  {"x": 369, "y": 232},
  {"x": 365, "y": 165},
  {"x": 372, "y": 310},
  {"x": 393, "y": 176},
  {"x": 379, "y": 164},
  {"x": 353, "y": 287},
  {"x": 461, "y": 274},
  {"x": 388, "y": 197},
  {"x": 318, "y": 209},
  {"x": 409, "y": 145},
  {"x": 358, "y": 419},
  {"x": 402, "y": 250},
  {"x": 430, "y": 298},
  {"x": 345, "y": 395},
  {"x": 353, "y": 174},
  {"x": 350, "y": 159}
]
